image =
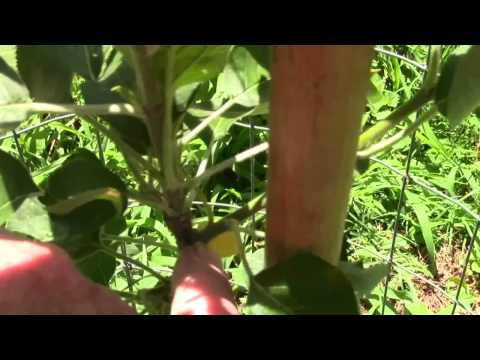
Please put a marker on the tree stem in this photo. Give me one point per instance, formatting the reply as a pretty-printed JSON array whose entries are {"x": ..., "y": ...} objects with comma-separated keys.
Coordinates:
[{"x": 81, "y": 110}]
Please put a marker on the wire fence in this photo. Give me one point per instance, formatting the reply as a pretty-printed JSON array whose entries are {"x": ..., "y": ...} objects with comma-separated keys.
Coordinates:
[{"x": 408, "y": 180}]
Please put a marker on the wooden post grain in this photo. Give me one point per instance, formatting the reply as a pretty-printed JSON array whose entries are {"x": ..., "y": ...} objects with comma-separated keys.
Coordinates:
[{"x": 318, "y": 98}]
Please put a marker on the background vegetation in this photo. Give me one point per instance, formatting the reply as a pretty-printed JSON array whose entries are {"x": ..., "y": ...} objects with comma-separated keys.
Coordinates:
[{"x": 433, "y": 232}]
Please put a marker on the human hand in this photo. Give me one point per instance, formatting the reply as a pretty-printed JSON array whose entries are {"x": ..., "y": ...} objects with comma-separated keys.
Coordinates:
[
  {"x": 40, "y": 279},
  {"x": 199, "y": 285}
]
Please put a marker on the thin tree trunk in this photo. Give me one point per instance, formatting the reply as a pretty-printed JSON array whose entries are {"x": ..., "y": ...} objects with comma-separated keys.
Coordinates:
[{"x": 318, "y": 98}]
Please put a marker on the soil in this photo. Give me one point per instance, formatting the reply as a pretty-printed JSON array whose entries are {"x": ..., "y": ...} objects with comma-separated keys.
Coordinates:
[{"x": 449, "y": 261}]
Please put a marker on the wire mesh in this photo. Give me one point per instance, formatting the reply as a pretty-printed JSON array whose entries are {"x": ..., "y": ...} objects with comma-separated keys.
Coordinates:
[
  {"x": 407, "y": 180},
  {"x": 400, "y": 205}
]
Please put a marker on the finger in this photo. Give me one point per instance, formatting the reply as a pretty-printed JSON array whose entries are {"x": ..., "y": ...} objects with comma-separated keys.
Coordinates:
[
  {"x": 200, "y": 286},
  {"x": 41, "y": 279}
]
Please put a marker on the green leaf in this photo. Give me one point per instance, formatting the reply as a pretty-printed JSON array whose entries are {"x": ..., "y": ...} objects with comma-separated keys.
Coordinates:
[
  {"x": 132, "y": 130},
  {"x": 89, "y": 259},
  {"x": 81, "y": 172},
  {"x": 116, "y": 70},
  {"x": 165, "y": 232},
  {"x": 199, "y": 63},
  {"x": 241, "y": 72},
  {"x": 111, "y": 195},
  {"x": 157, "y": 300},
  {"x": 95, "y": 60},
  {"x": 158, "y": 259},
  {"x": 193, "y": 63},
  {"x": 116, "y": 226},
  {"x": 42, "y": 174},
  {"x": 476, "y": 267},
  {"x": 125, "y": 51},
  {"x": 364, "y": 280},
  {"x": 262, "y": 54},
  {"x": 458, "y": 90},
  {"x": 45, "y": 70},
  {"x": 362, "y": 165},
  {"x": 32, "y": 219},
  {"x": 221, "y": 126},
  {"x": 451, "y": 181},
  {"x": 12, "y": 91},
  {"x": 417, "y": 309},
  {"x": 9, "y": 54},
  {"x": 15, "y": 185},
  {"x": 184, "y": 95},
  {"x": 97, "y": 266},
  {"x": 378, "y": 97},
  {"x": 256, "y": 261},
  {"x": 84, "y": 194},
  {"x": 305, "y": 284},
  {"x": 421, "y": 211}
]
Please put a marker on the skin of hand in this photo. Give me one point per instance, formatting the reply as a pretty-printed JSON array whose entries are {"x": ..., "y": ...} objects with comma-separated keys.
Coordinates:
[
  {"x": 200, "y": 286},
  {"x": 40, "y": 279}
]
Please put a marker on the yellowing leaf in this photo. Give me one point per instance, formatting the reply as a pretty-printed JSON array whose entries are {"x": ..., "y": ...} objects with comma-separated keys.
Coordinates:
[
  {"x": 225, "y": 244},
  {"x": 110, "y": 194}
]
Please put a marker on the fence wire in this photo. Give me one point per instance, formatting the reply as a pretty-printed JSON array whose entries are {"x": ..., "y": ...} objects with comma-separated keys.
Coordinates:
[{"x": 407, "y": 180}]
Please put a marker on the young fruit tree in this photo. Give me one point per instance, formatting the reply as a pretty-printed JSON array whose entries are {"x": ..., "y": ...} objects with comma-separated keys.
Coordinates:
[{"x": 154, "y": 101}]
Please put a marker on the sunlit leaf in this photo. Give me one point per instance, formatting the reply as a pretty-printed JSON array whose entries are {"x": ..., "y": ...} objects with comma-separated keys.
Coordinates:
[
  {"x": 422, "y": 213},
  {"x": 12, "y": 91},
  {"x": 15, "y": 185},
  {"x": 364, "y": 280},
  {"x": 325, "y": 290},
  {"x": 458, "y": 90}
]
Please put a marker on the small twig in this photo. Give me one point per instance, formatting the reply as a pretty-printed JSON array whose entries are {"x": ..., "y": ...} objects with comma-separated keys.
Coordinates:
[
  {"x": 43, "y": 123},
  {"x": 126, "y": 268},
  {"x": 389, "y": 142},
  {"x": 126, "y": 149},
  {"x": 114, "y": 238},
  {"x": 127, "y": 295},
  {"x": 201, "y": 169},
  {"x": 231, "y": 206},
  {"x": 255, "y": 127},
  {"x": 422, "y": 97},
  {"x": 216, "y": 114},
  {"x": 380, "y": 128},
  {"x": 257, "y": 233},
  {"x": 133, "y": 261},
  {"x": 82, "y": 110},
  {"x": 254, "y": 206},
  {"x": 245, "y": 155},
  {"x": 156, "y": 201},
  {"x": 207, "y": 121}
]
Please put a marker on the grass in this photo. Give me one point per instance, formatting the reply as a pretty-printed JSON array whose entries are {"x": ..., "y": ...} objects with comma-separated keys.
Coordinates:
[{"x": 433, "y": 233}]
